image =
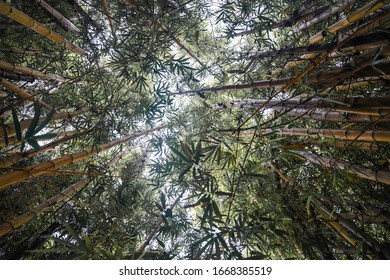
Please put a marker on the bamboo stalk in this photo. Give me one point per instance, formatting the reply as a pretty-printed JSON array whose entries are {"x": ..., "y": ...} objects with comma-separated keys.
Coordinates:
[
  {"x": 34, "y": 52},
  {"x": 340, "y": 134},
  {"x": 380, "y": 176},
  {"x": 353, "y": 17},
  {"x": 106, "y": 9},
  {"x": 16, "y": 76},
  {"x": 21, "y": 220},
  {"x": 14, "y": 141},
  {"x": 10, "y": 129},
  {"x": 27, "y": 21},
  {"x": 373, "y": 147},
  {"x": 28, "y": 71},
  {"x": 362, "y": 70},
  {"x": 16, "y": 157},
  {"x": 332, "y": 10},
  {"x": 23, "y": 94},
  {"x": 45, "y": 167},
  {"x": 63, "y": 20}
]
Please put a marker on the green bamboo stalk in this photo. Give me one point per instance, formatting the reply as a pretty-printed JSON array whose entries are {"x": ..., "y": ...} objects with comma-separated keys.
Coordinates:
[
  {"x": 46, "y": 168},
  {"x": 27, "y": 21}
]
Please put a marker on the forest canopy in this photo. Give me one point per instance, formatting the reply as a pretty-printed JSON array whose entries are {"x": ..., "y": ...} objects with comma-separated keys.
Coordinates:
[{"x": 193, "y": 129}]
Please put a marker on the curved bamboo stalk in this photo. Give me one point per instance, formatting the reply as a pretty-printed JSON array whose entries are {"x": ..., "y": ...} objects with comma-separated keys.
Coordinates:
[
  {"x": 28, "y": 71},
  {"x": 46, "y": 167},
  {"x": 23, "y": 94},
  {"x": 27, "y": 21},
  {"x": 353, "y": 17},
  {"x": 373, "y": 147},
  {"x": 63, "y": 20},
  {"x": 21, "y": 220},
  {"x": 380, "y": 176}
]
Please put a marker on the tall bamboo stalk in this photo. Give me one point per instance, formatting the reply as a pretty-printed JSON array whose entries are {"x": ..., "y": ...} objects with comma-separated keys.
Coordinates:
[
  {"x": 28, "y": 71},
  {"x": 35, "y": 52},
  {"x": 340, "y": 134},
  {"x": 46, "y": 168},
  {"x": 353, "y": 17},
  {"x": 29, "y": 22},
  {"x": 63, "y": 20},
  {"x": 10, "y": 129},
  {"x": 362, "y": 70},
  {"x": 106, "y": 9},
  {"x": 21, "y": 220},
  {"x": 380, "y": 176},
  {"x": 14, "y": 158},
  {"x": 332, "y": 10},
  {"x": 15, "y": 76},
  {"x": 23, "y": 94}
]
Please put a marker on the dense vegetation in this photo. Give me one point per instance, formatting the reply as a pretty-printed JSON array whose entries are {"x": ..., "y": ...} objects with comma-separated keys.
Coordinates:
[{"x": 193, "y": 129}]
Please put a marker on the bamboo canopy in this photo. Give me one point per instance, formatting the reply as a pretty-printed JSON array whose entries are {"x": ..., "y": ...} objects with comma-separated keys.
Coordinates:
[
  {"x": 27, "y": 21},
  {"x": 47, "y": 167}
]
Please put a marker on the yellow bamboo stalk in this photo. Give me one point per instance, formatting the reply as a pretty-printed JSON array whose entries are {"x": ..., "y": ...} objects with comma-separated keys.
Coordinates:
[
  {"x": 353, "y": 17},
  {"x": 45, "y": 167},
  {"x": 28, "y": 71},
  {"x": 63, "y": 20},
  {"x": 29, "y": 22},
  {"x": 10, "y": 129},
  {"x": 334, "y": 9},
  {"x": 23, "y": 94},
  {"x": 380, "y": 176},
  {"x": 21, "y": 220},
  {"x": 14, "y": 141},
  {"x": 355, "y": 135}
]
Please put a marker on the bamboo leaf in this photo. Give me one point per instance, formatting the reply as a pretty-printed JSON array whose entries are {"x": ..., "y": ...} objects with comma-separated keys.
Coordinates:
[
  {"x": 47, "y": 120},
  {"x": 34, "y": 121},
  {"x": 18, "y": 129},
  {"x": 34, "y": 144}
]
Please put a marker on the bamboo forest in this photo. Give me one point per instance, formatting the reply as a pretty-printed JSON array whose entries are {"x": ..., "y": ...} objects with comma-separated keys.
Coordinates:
[{"x": 194, "y": 129}]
